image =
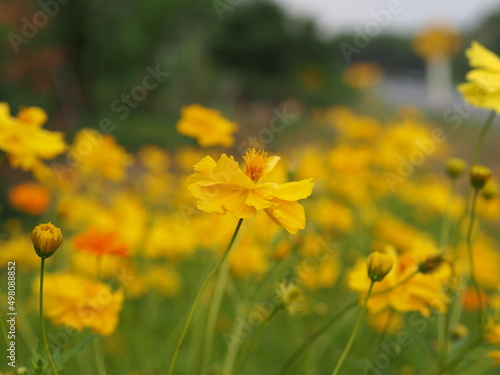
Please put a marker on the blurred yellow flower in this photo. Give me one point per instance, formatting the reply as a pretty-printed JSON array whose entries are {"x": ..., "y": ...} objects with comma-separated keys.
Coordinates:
[
  {"x": 96, "y": 156},
  {"x": 207, "y": 125},
  {"x": 483, "y": 87},
  {"x": 19, "y": 248},
  {"x": 29, "y": 197},
  {"x": 221, "y": 187},
  {"x": 495, "y": 355},
  {"x": 81, "y": 303},
  {"x": 164, "y": 279},
  {"x": 362, "y": 76},
  {"x": 154, "y": 158},
  {"x": 419, "y": 293},
  {"x": 437, "y": 43},
  {"x": 25, "y": 142}
]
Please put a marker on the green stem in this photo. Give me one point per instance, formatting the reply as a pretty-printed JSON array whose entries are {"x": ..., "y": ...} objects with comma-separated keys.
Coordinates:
[
  {"x": 451, "y": 366},
  {"x": 311, "y": 338},
  {"x": 471, "y": 257},
  {"x": 482, "y": 136},
  {"x": 251, "y": 343},
  {"x": 442, "y": 322},
  {"x": 42, "y": 322},
  {"x": 354, "y": 332},
  {"x": 198, "y": 297},
  {"x": 212, "y": 317},
  {"x": 98, "y": 353}
]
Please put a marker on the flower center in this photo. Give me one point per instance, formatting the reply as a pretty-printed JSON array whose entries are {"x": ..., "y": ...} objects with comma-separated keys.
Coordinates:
[{"x": 255, "y": 162}]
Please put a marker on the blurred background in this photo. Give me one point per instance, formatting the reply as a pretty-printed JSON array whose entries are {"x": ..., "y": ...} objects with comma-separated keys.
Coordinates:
[{"x": 84, "y": 61}]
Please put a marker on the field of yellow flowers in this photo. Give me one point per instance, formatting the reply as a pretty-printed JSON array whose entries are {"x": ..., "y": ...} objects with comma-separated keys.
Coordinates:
[{"x": 364, "y": 245}]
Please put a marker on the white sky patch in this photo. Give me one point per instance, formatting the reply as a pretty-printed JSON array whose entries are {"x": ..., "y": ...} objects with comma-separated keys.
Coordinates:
[{"x": 337, "y": 16}]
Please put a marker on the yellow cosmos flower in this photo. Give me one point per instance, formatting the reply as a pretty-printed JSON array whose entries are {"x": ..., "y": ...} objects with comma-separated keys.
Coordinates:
[
  {"x": 419, "y": 293},
  {"x": 103, "y": 157},
  {"x": 25, "y": 142},
  {"x": 207, "y": 125},
  {"x": 483, "y": 87},
  {"x": 82, "y": 303},
  {"x": 221, "y": 187}
]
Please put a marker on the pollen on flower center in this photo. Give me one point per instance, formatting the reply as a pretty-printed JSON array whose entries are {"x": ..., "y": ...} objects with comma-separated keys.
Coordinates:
[{"x": 255, "y": 162}]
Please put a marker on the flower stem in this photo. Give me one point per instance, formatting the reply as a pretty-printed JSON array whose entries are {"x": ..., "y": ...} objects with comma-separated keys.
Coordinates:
[
  {"x": 98, "y": 353},
  {"x": 312, "y": 337},
  {"x": 198, "y": 297},
  {"x": 442, "y": 323},
  {"x": 42, "y": 322},
  {"x": 354, "y": 332},
  {"x": 471, "y": 257},
  {"x": 251, "y": 341},
  {"x": 482, "y": 136},
  {"x": 212, "y": 317}
]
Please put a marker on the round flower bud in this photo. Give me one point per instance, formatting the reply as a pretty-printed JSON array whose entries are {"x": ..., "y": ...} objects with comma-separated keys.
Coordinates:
[
  {"x": 431, "y": 264},
  {"x": 46, "y": 239},
  {"x": 479, "y": 175},
  {"x": 490, "y": 190},
  {"x": 455, "y": 167},
  {"x": 379, "y": 265},
  {"x": 291, "y": 297},
  {"x": 459, "y": 331}
]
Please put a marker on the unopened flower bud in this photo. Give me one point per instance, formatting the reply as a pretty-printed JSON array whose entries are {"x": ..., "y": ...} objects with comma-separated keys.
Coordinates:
[
  {"x": 431, "y": 264},
  {"x": 455, "y": 167},
  {"x": 46, "y": 239},
  {"x": 379, "y": 265},
  {"x": 479, "y": 175},
  {"x": 460, "y": 331},
  {"x": 490, "y": 190},
  {"x": 291, "y": 297}
]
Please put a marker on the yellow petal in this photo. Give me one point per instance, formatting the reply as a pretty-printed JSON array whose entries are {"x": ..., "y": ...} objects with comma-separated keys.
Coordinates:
[
  {"x": 205, "y": 165},
  {"x": 292, "y": 191},
  {"x": 228, "y": 171},
  {"x": 487, "y": 79},
  {"x": 270, "y": 164},
  {"x": 479, "y": 56},
  {"x": 289, "y": 215},
  {"x": 254, "y": 199}
]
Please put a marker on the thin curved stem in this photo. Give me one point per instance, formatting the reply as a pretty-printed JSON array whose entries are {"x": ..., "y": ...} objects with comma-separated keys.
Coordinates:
[
  {"x": 251, "y": 343},
  {"x": 212, "y": 317},
  {"x": 442, "y": 323},
  {"x": 42, "y": 321},
  {"x": 198, "y": 297},
  {"x": 482, "y": 135},
  {"x": 354, "y": 332},
  {"x": 98, "y": 353},
  {"x": 311, "y": 338}
]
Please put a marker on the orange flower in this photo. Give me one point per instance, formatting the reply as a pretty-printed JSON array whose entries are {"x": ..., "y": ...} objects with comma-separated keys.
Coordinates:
[
  {"x": 471, "y": 302},
  {"x": 29, "y": 197},
  {"x": 100, "y": 243}
]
